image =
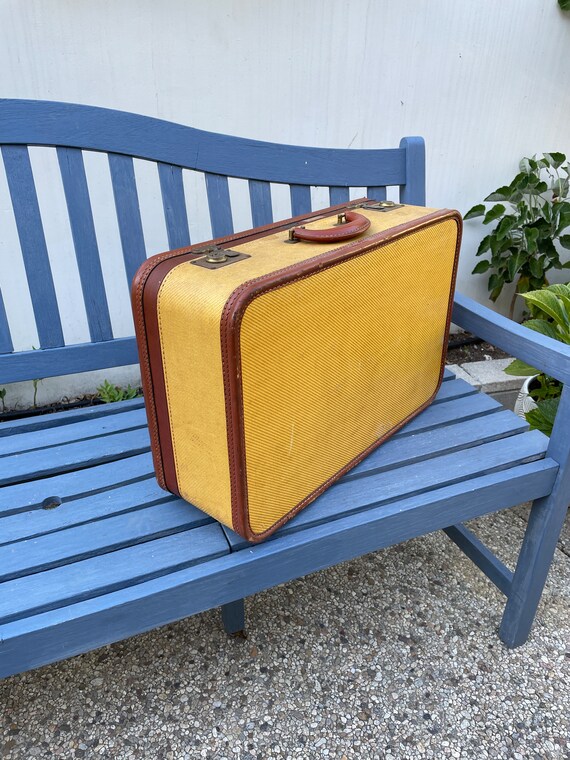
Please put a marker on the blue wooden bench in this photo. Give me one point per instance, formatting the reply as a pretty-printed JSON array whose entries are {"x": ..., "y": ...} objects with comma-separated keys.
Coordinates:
[{"x": 118, "y": 556}]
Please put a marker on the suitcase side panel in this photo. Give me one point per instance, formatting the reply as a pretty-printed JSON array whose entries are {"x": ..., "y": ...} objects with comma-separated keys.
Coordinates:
[{"x": 279, "y": 458}]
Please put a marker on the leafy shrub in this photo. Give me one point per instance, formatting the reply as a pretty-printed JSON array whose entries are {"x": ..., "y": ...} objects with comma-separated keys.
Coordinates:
[{"x": 532, "y": 213}]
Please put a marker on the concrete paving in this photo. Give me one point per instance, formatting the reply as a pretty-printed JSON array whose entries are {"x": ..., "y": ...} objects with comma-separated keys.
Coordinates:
[
  {"x": 394, "y": 655},
  {"x": 490, "y": 376}
]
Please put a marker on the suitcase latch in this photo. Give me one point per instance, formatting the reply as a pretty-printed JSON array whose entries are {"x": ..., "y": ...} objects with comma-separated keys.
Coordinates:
[
  {"x": 216, "y": 257},
  {"x": 379, "y": 205}
]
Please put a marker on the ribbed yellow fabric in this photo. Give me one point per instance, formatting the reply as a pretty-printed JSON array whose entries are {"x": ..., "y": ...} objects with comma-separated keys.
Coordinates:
[
  {"x": 190, "y": 304},
  {"x": 333, "y": 362}
]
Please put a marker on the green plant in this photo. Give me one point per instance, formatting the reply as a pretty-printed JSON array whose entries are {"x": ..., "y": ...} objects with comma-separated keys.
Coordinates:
[
  {"x": 532, "y": 213},
  {"x": 110, "y": 393},
  {"x": 564, "y": 4},
  {"x": 2, "y": 397},
  {"x": 551, "y": 309}
]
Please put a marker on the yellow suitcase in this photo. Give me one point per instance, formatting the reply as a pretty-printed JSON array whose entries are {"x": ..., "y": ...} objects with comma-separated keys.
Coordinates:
[{"x": 275, "y": 360}]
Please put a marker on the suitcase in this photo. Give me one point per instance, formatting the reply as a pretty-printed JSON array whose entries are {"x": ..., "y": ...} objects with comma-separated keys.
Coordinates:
[{"x": 274, "y": 360}]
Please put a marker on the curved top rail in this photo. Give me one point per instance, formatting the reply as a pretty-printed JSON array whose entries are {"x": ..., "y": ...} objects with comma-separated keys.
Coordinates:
[{"x": 51, "y": 123}]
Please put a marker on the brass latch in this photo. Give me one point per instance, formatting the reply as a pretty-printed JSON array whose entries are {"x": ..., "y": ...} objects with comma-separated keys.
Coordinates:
[
  {"x": 379, "y": 205},
  {"x": 216, "y": 257}
]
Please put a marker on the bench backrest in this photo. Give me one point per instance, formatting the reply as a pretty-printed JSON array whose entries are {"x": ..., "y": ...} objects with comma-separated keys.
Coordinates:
[{"x": 74, "y": 129}]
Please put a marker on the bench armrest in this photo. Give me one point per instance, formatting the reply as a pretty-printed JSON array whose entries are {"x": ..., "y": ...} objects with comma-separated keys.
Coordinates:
[{"x": 546, "y": 354}]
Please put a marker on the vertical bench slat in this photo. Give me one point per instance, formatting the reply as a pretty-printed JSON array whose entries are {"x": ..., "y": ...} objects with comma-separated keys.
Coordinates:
[
  {"x": 6, "y": 346},
  {"x": 33, "y": 243},
  {"x": 219, "y": 205},
  {"x": 128, "y": 212},
  {"x": 85, "y": 242},
  {"x": 339, "y": 195},
  {"x": 376, "y": 193},
  {"x": 414, "y": 191},
  {"x": 260, "y": 201},
  {"x": 174, "y": 204},
  {"x": 300, "y": 200}
]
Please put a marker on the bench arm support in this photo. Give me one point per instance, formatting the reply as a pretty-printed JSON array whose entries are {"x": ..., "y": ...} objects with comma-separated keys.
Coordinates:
[{"x": 546, "y": 354}]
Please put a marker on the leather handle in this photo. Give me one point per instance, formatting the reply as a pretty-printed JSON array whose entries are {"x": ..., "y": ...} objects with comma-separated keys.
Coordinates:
[{"x": 354, "y": 225}]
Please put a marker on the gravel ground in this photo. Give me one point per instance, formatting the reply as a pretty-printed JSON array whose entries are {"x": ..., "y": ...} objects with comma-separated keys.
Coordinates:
[{"x": 394, "y": 655}]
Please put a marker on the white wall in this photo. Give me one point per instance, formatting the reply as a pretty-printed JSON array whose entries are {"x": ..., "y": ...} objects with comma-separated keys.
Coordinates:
[{"x": 484, "y": 84}]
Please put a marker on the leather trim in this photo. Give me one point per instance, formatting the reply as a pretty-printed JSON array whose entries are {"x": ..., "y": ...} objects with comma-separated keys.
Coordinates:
[
  {"x": 144, "y": 294},
  {"x": 232, "y": 315}
]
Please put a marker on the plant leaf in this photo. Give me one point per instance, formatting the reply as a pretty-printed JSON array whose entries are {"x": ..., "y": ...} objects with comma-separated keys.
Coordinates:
[
  {"x": 542, "y": 418},
  {"x": 543, "y": 327},
  {"x": 478, "y": 210},
  {"x": 531, "y": 236},
  {"x": 501, "y": 194},
  {"x": 481, "y": 267},
  {"x": 513, "y": 265},
  {"x": 497, "y": 211},
  {"x": 535, "y": 267},
  {"x": 518, "y": 367},
  {"x": 505, "y": 226},
  {"x": 565, "y": 241},
  {"x": 549, "y": 304},
  {"x": 484, "y": 245},
  {"x": 555, "y": 159}
]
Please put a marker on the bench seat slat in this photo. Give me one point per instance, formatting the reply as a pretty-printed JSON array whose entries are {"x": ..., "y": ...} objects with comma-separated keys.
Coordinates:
[
  {"x": 36, "y": 639},
  {"x": 71, "y": 485},
  {"x": 21, "y": 496},
  {"x": 108, "y": 572},
  {"x": 91, "y": 539},
  {"x": 67, "y": 417},
  {"x": 395, "y": 452},
  {"x": 348, "y": 496},
  {"x": 20, "y": 468},
  {"x": 76, "y": 431},
  {"x": 431, "y": 443},
  {"x": 134, "y": 496}
]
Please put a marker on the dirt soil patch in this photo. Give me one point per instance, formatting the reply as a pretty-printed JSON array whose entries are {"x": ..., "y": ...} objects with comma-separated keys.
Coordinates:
[{"x": 461, "y": 349}]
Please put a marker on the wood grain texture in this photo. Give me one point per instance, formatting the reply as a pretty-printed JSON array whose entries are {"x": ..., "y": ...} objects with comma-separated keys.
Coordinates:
[
  {"x": 219, "y": 205},
  {"x": 81, "y": 357},
  {"x": 260, "y": 201},
  {"x": 470, "y": 545},
  {"x": 174, "y": 205},
  {"x": 85, "y": 242},
  {"x": 34, "y": 249},
  {"x": 29, "y": 122},
  {"x": 545, "y": 522},
  {"x": 128, "y": 212},
  {"x": 32, "y": 641},
  {"x": 548, "y": 355}
]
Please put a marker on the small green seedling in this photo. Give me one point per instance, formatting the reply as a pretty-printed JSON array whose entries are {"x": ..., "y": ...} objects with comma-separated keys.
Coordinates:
[{"x": 110, "y": 393}]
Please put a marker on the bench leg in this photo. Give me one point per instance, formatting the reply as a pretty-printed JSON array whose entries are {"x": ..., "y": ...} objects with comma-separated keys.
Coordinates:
[
  {"x": 233, "y": 616},
  {"x": 539, "y": 544}
]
